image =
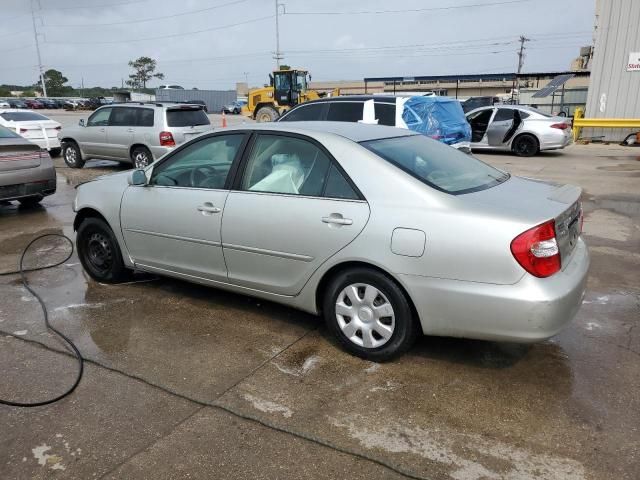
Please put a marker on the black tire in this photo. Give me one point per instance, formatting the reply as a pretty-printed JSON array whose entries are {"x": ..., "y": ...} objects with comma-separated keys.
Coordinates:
[
  {"x": 55, "y": 152},
  {"x": 236, "y": 111},
  {"x": 30, "y": 202},
  {"x": 99, "y": 252},
  {"x": 72, "y": 155},
  {"x": 525, "y": 145},
  {"x": 267, "y": 114},
  {"x": 141, "y": 157},
  {"x": 405, "y": 330}
]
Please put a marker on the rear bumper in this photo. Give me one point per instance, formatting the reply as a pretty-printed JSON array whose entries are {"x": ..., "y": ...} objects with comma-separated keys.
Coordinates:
[
  {"x": 556, "y": 141},
  {"x": 46, "y": 143},
  {"x": 533, "y": 309},
  {"x": 30, "y": 182}
]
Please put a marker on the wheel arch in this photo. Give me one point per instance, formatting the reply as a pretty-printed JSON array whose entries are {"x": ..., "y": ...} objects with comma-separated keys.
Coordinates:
[
  {"x": 335, "y": 270},
  {"x": 142, "y": 145},
  {"x": 526, "y": 132},
  {"x": 84, "y": 213}
]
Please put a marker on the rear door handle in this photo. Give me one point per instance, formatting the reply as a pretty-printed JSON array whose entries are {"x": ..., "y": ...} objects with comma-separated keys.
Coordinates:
[
  {"x": 337, "y": 219},
  {"x": 208, "y": 208}
]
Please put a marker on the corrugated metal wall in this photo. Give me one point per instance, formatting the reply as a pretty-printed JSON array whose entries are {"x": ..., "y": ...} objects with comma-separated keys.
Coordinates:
[
  {"x": 614, "y": 92},
  {"x": 214, "y": 99}
]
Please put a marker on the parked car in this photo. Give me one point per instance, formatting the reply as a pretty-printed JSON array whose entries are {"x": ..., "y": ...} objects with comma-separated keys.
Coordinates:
[
  {"x": 137, "y": 133},
  {"x": 16, "y": 103},
  {"x": 33, "y": 126},
  {"x": 202, "y": 103},
  {"x": 170, "y": 87},
  {"x": 4, "y": 104},
  {"x": 383, "y": 231},
  {"x": 48, "y": 103},
  {"x": 26, "y": 171},
  {"x": 33, "y": 104},
  {"x": 522, "y": 130},
  {"x": 440, "y": 118},
  {"x": 234, "y": 107},
  {"x": 477, "y": 102}
]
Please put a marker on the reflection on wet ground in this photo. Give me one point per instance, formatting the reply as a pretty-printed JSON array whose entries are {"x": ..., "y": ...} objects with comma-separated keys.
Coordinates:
[{"x": 451, "y": 408}]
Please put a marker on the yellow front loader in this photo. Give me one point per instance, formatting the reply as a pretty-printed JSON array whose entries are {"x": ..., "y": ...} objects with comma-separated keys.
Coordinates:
[{"x": 288, "y": 89}]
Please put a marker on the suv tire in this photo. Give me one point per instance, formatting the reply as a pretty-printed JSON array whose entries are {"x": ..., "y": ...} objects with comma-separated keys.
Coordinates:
[
  {"x": 141, "y": 157},
  {"x": 378, "y": 305},
  {"x": 72, "y": 156}
]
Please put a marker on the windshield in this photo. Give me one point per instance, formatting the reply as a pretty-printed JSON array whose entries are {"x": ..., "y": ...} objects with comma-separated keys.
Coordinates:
[
  {"x": 436, "y": 164},
  {"x": 22, "y": 116},
  {"x": 187, "y": 117},
  {"x": 301, "y": 82}
]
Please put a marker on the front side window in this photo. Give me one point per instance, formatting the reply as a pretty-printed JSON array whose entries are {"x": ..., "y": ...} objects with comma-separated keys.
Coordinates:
[
  {"x": 203, "y": 164},
  {"x": 304, "y": 112},
  {"x": 100, "y": 118},
  {"x": 123, "y": 117},
  {"x": 289, "y": 165},
  {"x": 301, "y": 82},
  {"x": 436, "y": 164}
]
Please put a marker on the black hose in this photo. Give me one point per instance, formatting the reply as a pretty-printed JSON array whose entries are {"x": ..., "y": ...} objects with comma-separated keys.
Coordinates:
[{"x": 21, "y": 270}]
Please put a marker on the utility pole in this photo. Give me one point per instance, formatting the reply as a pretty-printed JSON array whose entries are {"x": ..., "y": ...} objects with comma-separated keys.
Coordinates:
[
  {"x": 278, "y": 55},
  {"x": 35, "y": 34},
  {"x": 516, "y": 80}
]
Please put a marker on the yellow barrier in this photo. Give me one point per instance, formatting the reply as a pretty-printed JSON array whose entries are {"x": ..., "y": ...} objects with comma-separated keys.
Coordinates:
[{"x": 580, "y": 122}]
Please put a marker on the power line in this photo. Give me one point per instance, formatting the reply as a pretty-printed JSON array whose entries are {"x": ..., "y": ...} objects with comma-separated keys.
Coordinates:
[
  {"x": 151, "y": 19},
  {"x": 84, "y": 7},
  {"x": 411, "y": 10},
  {"x": 161, "y": 37}
]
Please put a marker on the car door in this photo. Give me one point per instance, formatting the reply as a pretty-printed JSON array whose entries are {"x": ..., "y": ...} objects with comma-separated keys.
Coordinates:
[
  {"x": 173, "y": 222},
  {"x": 121, "y": 131},
  {"x": 93, "y": 137},
  {"x": 290, "y": 210},
  {"x": 500, "y": 126}
]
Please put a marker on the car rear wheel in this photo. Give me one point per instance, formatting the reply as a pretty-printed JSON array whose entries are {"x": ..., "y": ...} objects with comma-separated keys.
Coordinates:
[
  {"x": 267, "y": 114},
  {"x": 369, "y": 314},
  {"x": 525, "y": 145},
  {"x": 141, "y": 157},
  {"x": 99, "y": 252},
  {"x": 72, "y": 156}
]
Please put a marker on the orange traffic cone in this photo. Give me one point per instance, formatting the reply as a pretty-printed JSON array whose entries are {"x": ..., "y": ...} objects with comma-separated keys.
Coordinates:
[{"x": 224, "y": 120}]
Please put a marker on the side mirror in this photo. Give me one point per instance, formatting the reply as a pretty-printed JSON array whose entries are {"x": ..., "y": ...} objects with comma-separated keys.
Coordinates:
[
  {"x": 137, "y": 177},
  {"x": 81, "y": 122}
]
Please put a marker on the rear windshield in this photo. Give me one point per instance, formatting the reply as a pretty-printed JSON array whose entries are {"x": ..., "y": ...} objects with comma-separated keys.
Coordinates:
[
  {"x": 22, "y": 116},
  {"x": 187, "y": 117},
  {"x": 436, "y": 164},
  {"x": 6, "y": 133}
]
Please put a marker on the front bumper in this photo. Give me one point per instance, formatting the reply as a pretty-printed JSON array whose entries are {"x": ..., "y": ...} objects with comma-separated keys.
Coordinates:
[{"x": 533, "y": 309}]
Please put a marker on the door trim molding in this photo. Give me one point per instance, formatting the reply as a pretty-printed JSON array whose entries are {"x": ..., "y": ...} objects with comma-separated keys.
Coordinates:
[
  {"x": 271, "y": 253},
  {"x": 175, "y": 237}
]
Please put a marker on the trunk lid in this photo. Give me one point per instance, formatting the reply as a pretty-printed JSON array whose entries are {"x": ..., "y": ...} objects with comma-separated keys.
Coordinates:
[
  {"x": 187, "y": 122},
  {"x": 18, "y": 156}
]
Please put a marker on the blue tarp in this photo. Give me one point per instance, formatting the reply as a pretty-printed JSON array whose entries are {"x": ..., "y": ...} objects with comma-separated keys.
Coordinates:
[{"x": 441, "y": 118}]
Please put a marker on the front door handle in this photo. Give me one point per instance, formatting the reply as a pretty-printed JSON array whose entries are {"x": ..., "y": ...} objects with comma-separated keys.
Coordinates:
[
  {"x": 208, "y": 208},
  {"x": 337, "y": 219},
  {"x": 130, "y": 130}
]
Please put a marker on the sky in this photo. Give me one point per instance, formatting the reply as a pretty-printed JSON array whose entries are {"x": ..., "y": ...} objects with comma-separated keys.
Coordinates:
[{"x": 212, "y": 44}]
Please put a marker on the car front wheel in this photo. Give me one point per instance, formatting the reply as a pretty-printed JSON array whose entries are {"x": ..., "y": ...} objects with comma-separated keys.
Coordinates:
[
  {"x": 369, "y": 314},
  {"x": 99, "y": 252}
]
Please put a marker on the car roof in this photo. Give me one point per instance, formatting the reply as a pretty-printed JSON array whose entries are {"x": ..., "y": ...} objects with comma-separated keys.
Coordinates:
[
  {"x": 355, "y": 98},
  {"x": 356, "y": 132}
]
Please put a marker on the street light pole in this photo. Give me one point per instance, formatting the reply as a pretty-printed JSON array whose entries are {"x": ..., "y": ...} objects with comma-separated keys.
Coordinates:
[
  {"x": 35, "y": 34},
  {"x": 278, "y": 55}
]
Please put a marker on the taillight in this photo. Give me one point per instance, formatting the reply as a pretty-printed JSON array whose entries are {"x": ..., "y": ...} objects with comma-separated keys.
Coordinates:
[
  {"x": 536, "y": 250},
  {"x": 560, "y": 126},
  {"x": 23, "y": 130},
  {"x": 166, "y": 139},
  {"x": 58, "y": 128}
]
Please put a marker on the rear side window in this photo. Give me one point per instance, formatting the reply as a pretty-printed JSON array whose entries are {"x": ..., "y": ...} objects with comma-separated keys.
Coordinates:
[
  {"x": 22, "y": 116},
  {"x": 503, "y": 114},
  {"x": 436, "y": 164},
  {"x": 123, "y": 117},
  {"x": 386, "y": 114},
  {"x": 144, "y": 117},
  {"x": 338, "y": 186},
  {"x": 186, "y": 117},
  {"x": 345, "y": 111},
  {"x": 305, "y": 113}
]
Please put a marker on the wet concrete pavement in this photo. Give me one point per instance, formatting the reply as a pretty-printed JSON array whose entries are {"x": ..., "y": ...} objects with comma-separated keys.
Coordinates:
[{"x": 170, "y": 360}]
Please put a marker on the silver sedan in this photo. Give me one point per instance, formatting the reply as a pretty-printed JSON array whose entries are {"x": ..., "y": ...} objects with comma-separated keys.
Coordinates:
[
  {"x": 384, "y": 232},
  {"x": 523, "y": 130}
]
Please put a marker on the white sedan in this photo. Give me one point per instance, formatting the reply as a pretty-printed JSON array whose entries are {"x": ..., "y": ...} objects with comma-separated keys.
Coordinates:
[{"x": 33, "y": 126}]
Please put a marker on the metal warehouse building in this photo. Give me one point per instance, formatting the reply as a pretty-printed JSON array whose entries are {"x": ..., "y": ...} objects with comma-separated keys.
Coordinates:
[{"x": 614, "y": 90}]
